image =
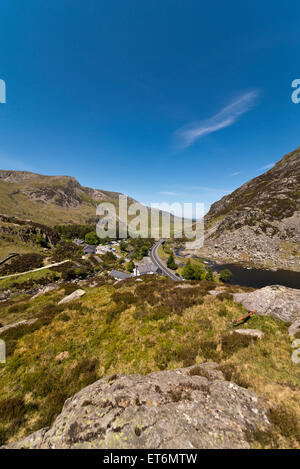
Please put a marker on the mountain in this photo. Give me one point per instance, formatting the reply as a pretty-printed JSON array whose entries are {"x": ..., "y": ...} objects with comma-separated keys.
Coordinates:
[
  {"x": 50, "y": 199},
  {"x": 31, "y": 204},
  {"x": 259, "y": 223}
]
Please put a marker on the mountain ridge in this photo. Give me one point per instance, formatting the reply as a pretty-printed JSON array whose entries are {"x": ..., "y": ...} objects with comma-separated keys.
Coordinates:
[
  {"x": 259, "y": 223},
  {"x": 50, "y": 199}
]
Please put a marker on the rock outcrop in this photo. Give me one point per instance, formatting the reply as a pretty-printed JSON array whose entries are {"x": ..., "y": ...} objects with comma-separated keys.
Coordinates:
[
  {"x": 256, "y": 333},
  {"x": 294, "y": 328},
  {"x": 73, "y": 296},
  {"x": 44, "y": 199},
  {"x": 259, "y": 223},
  {"x": 25, "y": 322},
  {"x": 190, "y": 408},
  {"x": 277, "y": 301}
]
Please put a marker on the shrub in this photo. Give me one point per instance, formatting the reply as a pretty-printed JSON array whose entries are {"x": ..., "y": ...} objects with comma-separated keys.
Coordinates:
[
  {"x": 186, "y": 353},
  {"x": 284, "y": 424},
  {"x": 231, "y": 373},
  {"x": 231, "y": 343},
  {"x": 22, "y": 263},
  {"x": 209, "y": 349},
  {"x": 73, "y": 230},
  {"x": 92, "y": 238},
  {"x": 18, "y": 308},
  {"x": 11, "y": 409},
  {"x": 225, "y": 275},
  {"x": 223, "y": 311},
  {"x": 70, "y": 288},
  {"x": 159, "y": 312},
  {"x": 224, "y": 296},
  {"x": 209, "y": 275},
  {"x": 66, "y": 250},
  {"x": 130, "y": 266},
  {"x": 193, "y": 272},
  {"x": 114, "y": 311},
  {"x": 3, "y": 435},
  {"x": 81, "y": 273}
]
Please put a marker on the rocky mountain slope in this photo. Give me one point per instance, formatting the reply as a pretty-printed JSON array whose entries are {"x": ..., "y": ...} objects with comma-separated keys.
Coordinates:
[
  {"x": 185, "y": 408},
  {"x": 49, "y": 199},
  {"x": 259, "y": 223}
]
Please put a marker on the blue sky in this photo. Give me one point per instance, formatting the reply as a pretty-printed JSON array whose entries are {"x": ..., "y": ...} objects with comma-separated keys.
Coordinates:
[{"x": 163, "y": 100}]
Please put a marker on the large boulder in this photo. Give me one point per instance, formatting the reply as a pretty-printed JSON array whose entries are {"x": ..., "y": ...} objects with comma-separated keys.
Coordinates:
[
  {"x": 277, "y": 301},
  {"x": 185, "y": 408},
  {"x": 73, "y": 296}
]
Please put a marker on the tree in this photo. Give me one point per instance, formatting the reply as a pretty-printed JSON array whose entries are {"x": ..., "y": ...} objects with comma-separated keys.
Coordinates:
[
  {"x": 210, "y": 275},
  {"x": 42, "y": 241},
  {"x": 130, "y": 266},
  {"x": 171, "y": 262},
  {"x": 143, "y": 251},
  {"x": 193, "y": 272},
  {"x": 225, "y": 275},
  {"x": 91, "y": 238},
  {"x": 123, "y": 245}
]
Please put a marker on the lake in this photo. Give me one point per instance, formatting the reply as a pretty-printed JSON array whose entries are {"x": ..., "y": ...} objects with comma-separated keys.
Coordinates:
[{"x": 258, "y": 278}]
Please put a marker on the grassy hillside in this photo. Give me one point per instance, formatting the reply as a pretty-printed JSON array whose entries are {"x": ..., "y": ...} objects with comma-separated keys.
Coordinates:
[
  {"x": 49, "y": 199},
  {"x": 55, "y": 200},
  {"x": 139, "y": 327}
]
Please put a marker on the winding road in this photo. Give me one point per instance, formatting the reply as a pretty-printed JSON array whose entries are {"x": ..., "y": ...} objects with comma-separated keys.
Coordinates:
[{"x": 157, "y": 261}]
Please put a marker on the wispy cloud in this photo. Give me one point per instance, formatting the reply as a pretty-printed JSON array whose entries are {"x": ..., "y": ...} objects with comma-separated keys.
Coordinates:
[
  {"x": 267, "y": 166},
  {"x": 169, "y": 193},
  {"x": 234, "y": 174},
  {"x": 187, "y": 135}
]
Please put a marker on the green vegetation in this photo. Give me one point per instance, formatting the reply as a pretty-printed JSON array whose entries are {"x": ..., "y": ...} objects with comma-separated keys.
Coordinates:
[
  {"x": 138, "y": 247},
  {"x": 22, "y": 263},
  {"x": 92, "y": 238},
  {"x": 130, "y": 266},
  {"x": 209, "y": 275},
  {"x": 194, "y": 272},
  {"x": 171, "y": 262},
  {"x": 137, "y": 327},
  {"x": 225, "y": 275},
  {"x": 66, "y": 250},
  {"x": 30, "y": 280},
  {"x": 73, "y": 231}
]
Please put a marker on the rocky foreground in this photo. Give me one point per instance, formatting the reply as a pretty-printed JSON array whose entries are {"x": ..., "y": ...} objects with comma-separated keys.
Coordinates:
[
  {"x": 276, "y": 301},
  {"x": 191, "y": 407}
]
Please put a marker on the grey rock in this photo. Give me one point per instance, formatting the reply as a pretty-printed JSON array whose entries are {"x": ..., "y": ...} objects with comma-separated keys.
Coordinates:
[
  {"x": 185, "y": 408},
  {"x": 26, "y": 322},
  {"x": 294, "y": 328},
  {"x": 277, "y": 301},
  {"x": 43, "y": 290},
  {"x": 250, "y": 332},
  {"x": 73, "y": 296}
]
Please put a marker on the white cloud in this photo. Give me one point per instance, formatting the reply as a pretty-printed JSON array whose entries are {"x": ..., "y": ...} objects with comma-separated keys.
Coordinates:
[
  {"x": 187, "y": 135},
  {"x": 234, "y": 174},
  {"x": 267, "y": 166},
  {"x": 168, "y": 193}
]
